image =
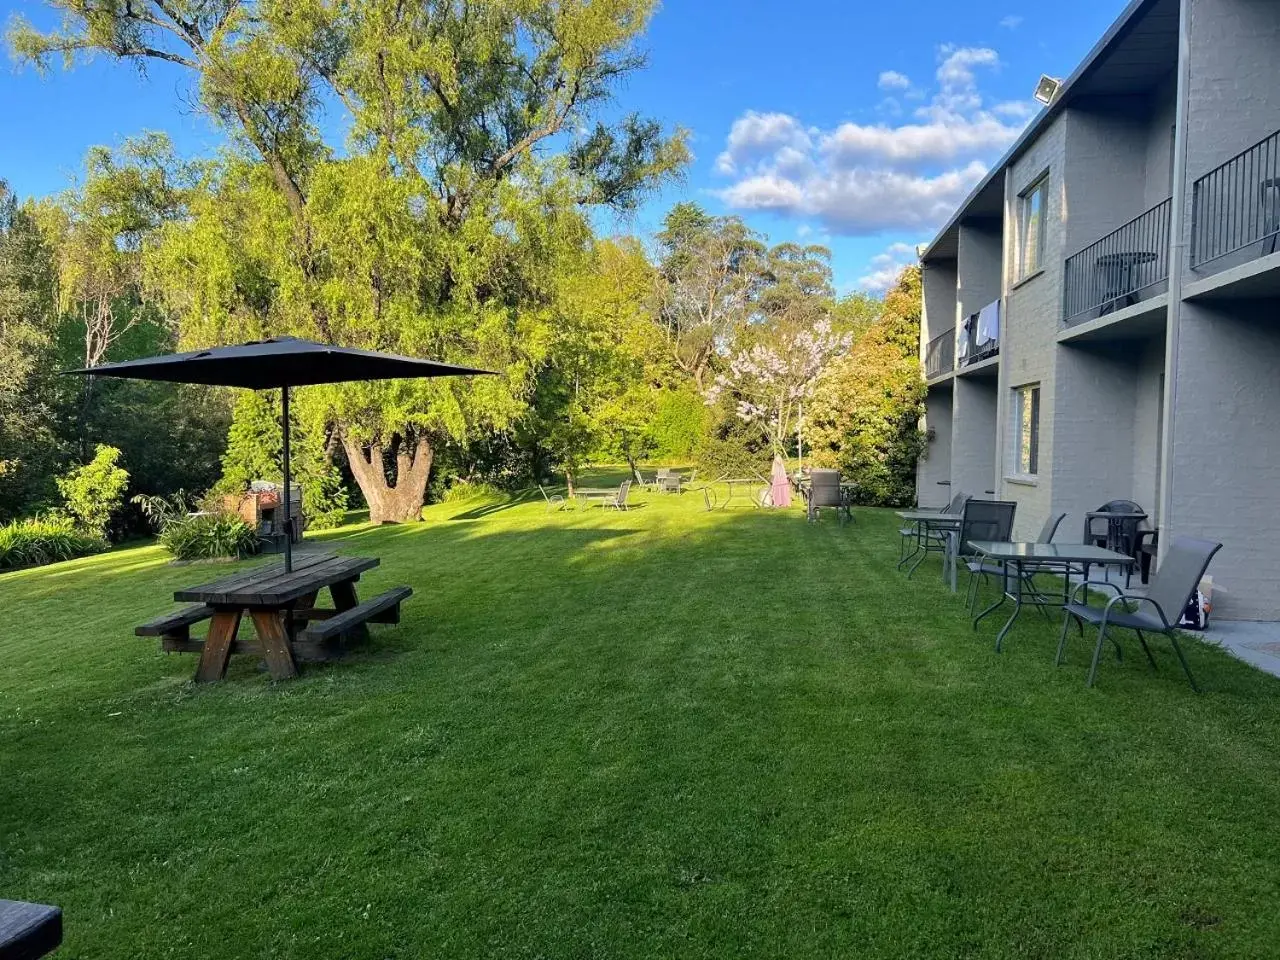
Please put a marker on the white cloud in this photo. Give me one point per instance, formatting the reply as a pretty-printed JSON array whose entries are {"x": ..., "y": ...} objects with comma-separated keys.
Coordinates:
[
  {"x": 1011, "y": 22},
  {"x": 943, "y": 139},
  {"x": 893, "y": 80},
  {"x": 884, "y": 269},
  {"x": 754, "y": 135},
  {"x": 865, "y": 178}
]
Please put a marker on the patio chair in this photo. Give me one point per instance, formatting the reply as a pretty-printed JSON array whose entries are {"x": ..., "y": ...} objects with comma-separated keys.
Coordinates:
[
  {"x": 986, "y": 569},
  {"x": 553, "y": 501},
  {"x": 824, "y": 491},
  {"x": 619, "y": 500},
  {"x": 983, "y": 520},
  {"x": 1171, "y": 588}
]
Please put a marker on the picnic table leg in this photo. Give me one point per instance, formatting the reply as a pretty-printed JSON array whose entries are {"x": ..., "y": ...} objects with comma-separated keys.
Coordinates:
[
  {"x": 217, "y": 646},
  {"x": 304, "y": 603},
  {"x": 344, "y": 598},
  {"x": 276, "y": 651}
]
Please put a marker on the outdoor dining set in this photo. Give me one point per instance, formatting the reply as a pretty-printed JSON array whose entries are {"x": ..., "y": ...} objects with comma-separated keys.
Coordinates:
[{"x": 1051, "y": 571}]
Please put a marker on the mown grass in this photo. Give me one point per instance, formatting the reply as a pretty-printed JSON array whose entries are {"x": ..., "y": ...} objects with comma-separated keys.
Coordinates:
[{"x": 665, "y": 733}]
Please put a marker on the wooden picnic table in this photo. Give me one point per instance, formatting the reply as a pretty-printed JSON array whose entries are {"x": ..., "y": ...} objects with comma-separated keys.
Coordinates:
[{"x": 280, "y": 605}]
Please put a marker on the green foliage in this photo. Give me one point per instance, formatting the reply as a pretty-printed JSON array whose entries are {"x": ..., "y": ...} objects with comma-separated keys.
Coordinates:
[
  {"x": 209, "y": 536},
  {"x": 325, "y": 499},
  {"x": 864, "y": 418},
  {"x": 480, "y": 136},
  {"x": 681, "y": 422},
  {"x": 734, "y": 455},
  {"x": 255, "y": 448},
  {"x": 461, "y": 491},
  {"x": 29, "y": 450},
  {"x": 93, "y": 492},
  {"x": 159, "y": 510},
  {"x": 36, "y": 541}
]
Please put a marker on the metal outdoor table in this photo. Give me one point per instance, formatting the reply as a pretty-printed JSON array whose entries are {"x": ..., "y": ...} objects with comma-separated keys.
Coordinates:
[
  {"x": 735, "y": 485},
  {"x": 1117, "y": 271},
  {"x": 587, "y": 494},
  {"x": 943, "y": 526},
  {"x": 1022, "y": 559},
  {"x": 277, "y": 602}
]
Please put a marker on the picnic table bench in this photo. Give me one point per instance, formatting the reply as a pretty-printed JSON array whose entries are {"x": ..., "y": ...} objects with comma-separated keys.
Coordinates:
[
  {"x": 282, "y": 607},
  {"x": 28, "y": 930}
]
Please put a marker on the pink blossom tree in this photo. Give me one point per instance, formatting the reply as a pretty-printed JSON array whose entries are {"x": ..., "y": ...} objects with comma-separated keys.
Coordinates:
[{"x": 771, "y": 380}]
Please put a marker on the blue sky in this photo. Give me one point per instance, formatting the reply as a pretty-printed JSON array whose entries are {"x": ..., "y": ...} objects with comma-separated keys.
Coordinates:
[{"x": 854, "y": 124}]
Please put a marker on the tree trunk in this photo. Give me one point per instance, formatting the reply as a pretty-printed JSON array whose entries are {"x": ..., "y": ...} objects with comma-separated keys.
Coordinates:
[{"x": 402, "y": 502}]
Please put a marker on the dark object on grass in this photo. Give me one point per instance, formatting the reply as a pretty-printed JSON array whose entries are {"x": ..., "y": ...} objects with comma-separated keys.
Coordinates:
[{"x": 28, "y": 930}]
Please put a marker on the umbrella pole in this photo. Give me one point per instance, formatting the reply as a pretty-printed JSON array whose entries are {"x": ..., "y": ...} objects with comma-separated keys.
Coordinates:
[{"x": 288, "y": 493}]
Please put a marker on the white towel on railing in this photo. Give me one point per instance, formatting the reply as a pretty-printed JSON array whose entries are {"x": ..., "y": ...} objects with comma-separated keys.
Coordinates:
[
  {"x": 963, "y": 347},
  {"x": 988, "y": 323}
]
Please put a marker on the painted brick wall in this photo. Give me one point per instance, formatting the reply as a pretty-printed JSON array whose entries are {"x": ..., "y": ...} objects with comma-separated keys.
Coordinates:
[
  {"x": 1225, "y": 459},
  {"x": 1030, "y": 322},
  {"x": 935, "y": 466}
]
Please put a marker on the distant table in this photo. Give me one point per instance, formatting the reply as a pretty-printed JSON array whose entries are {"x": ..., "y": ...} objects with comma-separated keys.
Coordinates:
[
  {"x": 28, "y": 930},
  {"x": 594, "y": 493},
  {"x": 1021, "y": 560},
  {"x": 1117, "y": 273},
  {"x": 277, "y": 602},
  {"x": 1116, "y": 523},
  {"x": 735, "y": 485},
  {"x": 942, "y": 526}
]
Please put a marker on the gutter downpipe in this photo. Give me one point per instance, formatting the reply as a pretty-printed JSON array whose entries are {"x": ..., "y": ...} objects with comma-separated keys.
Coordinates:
[{"x": 1177, "y": 259}]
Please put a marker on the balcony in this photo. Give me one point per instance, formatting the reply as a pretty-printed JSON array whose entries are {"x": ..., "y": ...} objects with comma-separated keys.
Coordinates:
[
  {"x": 1123, "y": 268},
  {"x": 1237, "y": 205},
  {"x": 980, "y": 336},
  {"x": 940, "y": 355}
]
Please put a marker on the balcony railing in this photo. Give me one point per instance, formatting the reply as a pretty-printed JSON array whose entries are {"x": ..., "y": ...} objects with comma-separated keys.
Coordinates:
[
  {"x": 940, "y": 355},
  {"x": 1237, "y": 204},
  {"x": 1119, "y": 270},
  {"x": 979, "y": 340}
]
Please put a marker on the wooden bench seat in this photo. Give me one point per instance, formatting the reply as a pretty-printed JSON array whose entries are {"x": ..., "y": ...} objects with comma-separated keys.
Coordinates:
[
  {"x": 176, "y": 625},
  {"x": 385, "y": 608}
]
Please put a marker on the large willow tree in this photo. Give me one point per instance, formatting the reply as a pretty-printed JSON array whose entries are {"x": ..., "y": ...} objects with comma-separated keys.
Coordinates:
[{"x": 441, "y": 226}]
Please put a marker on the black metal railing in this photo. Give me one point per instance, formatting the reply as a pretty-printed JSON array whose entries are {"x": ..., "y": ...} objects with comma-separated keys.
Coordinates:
[
  {"x": 1119, "y": 270},
  {"x": 975, "y": 348},
  {"x": 940, "y": 355},
  {"x": 1237, "y": 204}
]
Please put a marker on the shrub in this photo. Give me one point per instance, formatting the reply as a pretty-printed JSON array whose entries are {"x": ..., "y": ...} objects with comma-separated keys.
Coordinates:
[
  {"x": 209, "y": 536},
  {"x": 160, "y": 511},
  {"x": 461, "y": 491},
  {"x": 730, "y": 456},
  {"x": 325, "y": 499},
  {"x": 680, "y": 425},
  {"x": 93, "y": 492},
  {"x": 35, "y": 542}
]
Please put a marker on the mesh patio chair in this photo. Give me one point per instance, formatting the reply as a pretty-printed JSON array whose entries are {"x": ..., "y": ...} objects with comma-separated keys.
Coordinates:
[
  {"x": 554, "y": 501},
  {"x": 1171, "y": 588},
  {"x": 984, "y": 520},
  {"x": 985, "y": 569},
  {"x": 619, "y": 500},
  {"x": 824, "y": 491},
  {"x": 912, "y": 532}
]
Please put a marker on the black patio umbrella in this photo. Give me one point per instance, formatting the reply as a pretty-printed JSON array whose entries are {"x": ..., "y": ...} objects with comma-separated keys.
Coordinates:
[{"x": 280, "y": 362}]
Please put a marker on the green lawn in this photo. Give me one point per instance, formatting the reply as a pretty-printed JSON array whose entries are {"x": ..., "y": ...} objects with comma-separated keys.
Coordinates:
[{"x": 665, "y": 733}]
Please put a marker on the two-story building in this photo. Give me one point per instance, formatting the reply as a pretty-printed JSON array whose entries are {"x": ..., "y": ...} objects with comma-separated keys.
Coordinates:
[{"x": 1102, "y": 313}]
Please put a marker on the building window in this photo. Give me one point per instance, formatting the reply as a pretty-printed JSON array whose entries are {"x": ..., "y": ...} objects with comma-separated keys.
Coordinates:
[
  {"x": 1031, "y": 209},
  {"x": 1026, "y": 430}
]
